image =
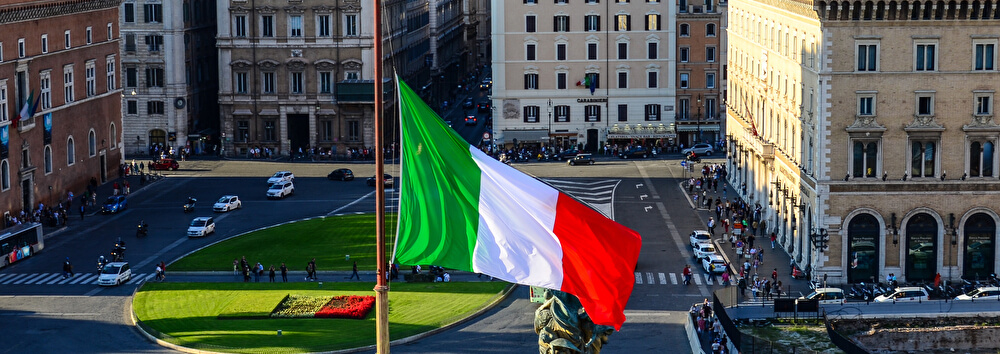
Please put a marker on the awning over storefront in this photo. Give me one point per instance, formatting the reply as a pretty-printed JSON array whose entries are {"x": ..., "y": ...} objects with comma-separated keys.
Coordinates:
[
  {"x": 525, "y": 136},
  {"x": 694, "y": 128},
  {"x": 643, "y": 136}
]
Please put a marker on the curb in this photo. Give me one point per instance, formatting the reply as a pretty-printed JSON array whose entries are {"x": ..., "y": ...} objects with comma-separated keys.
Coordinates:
[{"x": 693, "y": 340}]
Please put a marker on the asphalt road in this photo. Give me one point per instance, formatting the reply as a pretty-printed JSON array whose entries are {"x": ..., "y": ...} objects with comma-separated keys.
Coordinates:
[{"x": 47, "y": 317}]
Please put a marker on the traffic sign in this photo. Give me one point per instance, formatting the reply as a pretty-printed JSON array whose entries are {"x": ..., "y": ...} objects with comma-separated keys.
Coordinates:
[
  {"x": 683, "y": 163},
  {"x": 486, "y": 135}
]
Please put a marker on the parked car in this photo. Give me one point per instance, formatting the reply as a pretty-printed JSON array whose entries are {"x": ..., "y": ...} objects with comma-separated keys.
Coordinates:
[
  {"x": 699, "y": 236},
  {"x": 470, "y": 120},
  {"x": 699, "y": 149},
  {"x": 565, "y": 155},
  {"x": 342, "y": 174},
  {"x": 483, "y": 106},
  {"x": 468, "y": 104},
  {"x": 227, "y": 203},
  {"x": 904, "y": 294},
  {"x": 114, "y": 273},
  {"x": 582, "y": 159},
  {"x": 634, "y": 153},
  {"x": 386, "y": 181},
  {"x": 703, "y": 249},
  {"x": 281, "y": 176},
  {"x": 279, "y": 190},
  {"x": 201, "y": 226},
  {"x": 981, "y": 293},
  {"x": 826, "y": 296},
  {"x": 114, "y": 204},
  {"x": 165, "y": 164},
  {"x": 714, "y": 260}
]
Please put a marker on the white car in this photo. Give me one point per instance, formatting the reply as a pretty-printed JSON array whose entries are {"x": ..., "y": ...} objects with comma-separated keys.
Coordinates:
[
  {"x": 700, "y": 236},
  {"x": 227, "y": 203},
  {"x": 826, "y": 296},
  {"x": 700, "y": 150},
  {"x": 281, "y": 176},
  {"x": 114, "y": 273},
  {"x": 280, "y": 190},
  {"x": 201, "y": 226},
  {"x": 703, "y": 249},
  {"x": 714, "y": 260},
  {"x": 905, "y": 294},
  {"x": 982, "y": 293}
]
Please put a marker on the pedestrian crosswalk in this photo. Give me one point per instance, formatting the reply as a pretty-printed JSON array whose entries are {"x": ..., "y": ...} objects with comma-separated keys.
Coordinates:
[
  {"x": 651, "y": 278},
  {"x": 57, "y": 279},
  {"x": 599, "y": 194}
]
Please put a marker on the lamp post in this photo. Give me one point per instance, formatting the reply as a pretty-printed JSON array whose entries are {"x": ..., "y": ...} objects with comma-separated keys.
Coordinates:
[
  {"x": 698, "y": 117},
  {"x": 550, "y": 120}
]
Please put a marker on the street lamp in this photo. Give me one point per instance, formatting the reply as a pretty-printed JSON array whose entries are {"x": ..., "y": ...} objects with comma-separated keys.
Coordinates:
[
  {"x": 550, "y": 118},
  {"x": 698, "y": 117}
]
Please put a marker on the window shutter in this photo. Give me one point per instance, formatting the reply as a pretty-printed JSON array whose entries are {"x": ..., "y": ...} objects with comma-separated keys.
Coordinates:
[
  {"x": 657, "y": 23},
  {"x": 567, "y": 24},
  {"x": 628, "y": 22},
  {"x": 555, "y": 23},
  {"x": 526, "y": 81},
  {"x": 598, "y": 23}
]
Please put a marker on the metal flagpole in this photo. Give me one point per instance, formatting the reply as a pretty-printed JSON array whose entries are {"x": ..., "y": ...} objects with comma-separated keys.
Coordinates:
[{"x": 382, "y": 286}]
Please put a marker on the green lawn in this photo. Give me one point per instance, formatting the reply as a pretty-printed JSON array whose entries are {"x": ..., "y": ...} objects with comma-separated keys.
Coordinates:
[
  {"x": 187, "y": 314},
  {"x": 329, "y": 240}
]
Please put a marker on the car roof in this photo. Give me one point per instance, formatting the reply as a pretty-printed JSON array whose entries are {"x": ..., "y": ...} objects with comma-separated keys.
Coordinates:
[
  {"x": 283, "y": 172},
  {"x": 116, "y": 263},
  {"x": 909, "y": 288},
  {"x": 715, "y": 257},
  {"x": 829, "y": 290},
  {"x": 701, "y": 232},
  {"x": 227, "y": 196},
  {"x": 342, "y": 169},
  {"x": 203, "y": 218},
  {"x": 699, "y": 244},
  {"x": 988, "y": 288}
]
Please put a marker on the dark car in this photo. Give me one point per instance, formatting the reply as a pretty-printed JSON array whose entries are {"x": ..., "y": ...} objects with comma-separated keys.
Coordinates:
[
  {"x": 114, "y": 204},
  {"x": 566, "y": 155},
  {"x": 483, "y": 106},
  {"x": 634, "y": 153},
  {"x": 165, "y": 164},
  {"x": 468, "y": 104},
  {"x": 485, "y": 86},
  {"x": 341, "y": 174},
  {"x": 470, "y": 120},
  {"x": 386, "y": 181},
  {"x": 582, "y": 159}
]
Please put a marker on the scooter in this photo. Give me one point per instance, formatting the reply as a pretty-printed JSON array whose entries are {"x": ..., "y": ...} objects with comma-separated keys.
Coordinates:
[
  {"x": 189, "y": 206},
  {"x": 100, "y": 264},
  {"x": 142, "y": 229}
]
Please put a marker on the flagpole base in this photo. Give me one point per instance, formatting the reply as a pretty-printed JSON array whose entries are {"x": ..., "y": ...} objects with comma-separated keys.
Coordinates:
[{"x": 382, "y": 319}]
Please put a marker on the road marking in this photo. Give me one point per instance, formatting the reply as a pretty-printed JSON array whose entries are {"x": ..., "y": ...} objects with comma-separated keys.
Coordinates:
[
  {"x": 30, "y": 278},
  {"x": 16, "y": 276},
  {"x": 2, "y": 276},
  {"x": 649, "y": 276},
  {"x": 663, "y": 279},
  {"x": 67, "y": 280},
  {"x": 708, "y": 279},
  {"x": 673, "y": 279},
  {"x": 136, "y": 279},
  {"x": 638, "y": 278},
  {"x": 48, "y": 278},
  {"x": 697, "y": 281},
  {"x": 81, "y": 279},
  {"x": 350, "y": 204}
]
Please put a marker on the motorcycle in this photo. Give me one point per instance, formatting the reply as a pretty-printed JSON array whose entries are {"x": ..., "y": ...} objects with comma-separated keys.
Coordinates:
[
  {"x": 189, "y": 206},
  {"x": 142, "y": 229},
  {"x": 100, "y": 264},
  {"x": 693, "y": 157}
]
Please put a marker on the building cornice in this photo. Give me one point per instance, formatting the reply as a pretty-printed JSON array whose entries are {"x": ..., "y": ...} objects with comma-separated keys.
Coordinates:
[{"x": 11, "y": 14}]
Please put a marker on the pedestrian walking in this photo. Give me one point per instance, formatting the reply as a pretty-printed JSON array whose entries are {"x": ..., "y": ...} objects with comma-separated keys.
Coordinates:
[
  {"x": 774, "y": 237},
  {"x": 236, "y": 269},
  {"x": 67, "y": 269},
  {"x": 284, "y": 273},
  {"x": 687, "y": 274},
  {"x": 83, "y": 210},
  {"x": 711, "y": 225},
  {"x": 271, "y": 273},
  {"x": 258, "y": 270},
  {"x": 725, "y": 278},
  {"x": 159, "y": 273},
  {"x": 127, "y": 188},
  {"x": 355, "y": 273},
  {"x": 774, "y": 274}
]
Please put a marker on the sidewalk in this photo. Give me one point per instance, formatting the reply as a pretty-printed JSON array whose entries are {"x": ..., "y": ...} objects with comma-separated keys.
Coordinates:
[{"x": 299, "y": 277}]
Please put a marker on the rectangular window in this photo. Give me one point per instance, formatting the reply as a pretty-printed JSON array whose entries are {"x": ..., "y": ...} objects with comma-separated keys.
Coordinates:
[
  {"x": 561, "y": 51},
  {"x": 323, "y": 26},
  {"x": 684, "y": 80},
  {"x": 592, "y": 51},
  {"x": 622, "y": 79},
  {"x": 984, "y": 104},
  {"x": 652, "y": 112},
  {"x": 45, "y": 81},
  {"x": 531, "y": 114},
  {"x": 561, "y": 114},
  {"x": 652, "y": 50},
  {"x": 923, "y": 155},
  {"x": 683, "y": 108},
  {"x": 4, "y": 116},
  {"x": 865, "y": 157},
  {"x": 111, "y": 31},
  {"x": 296, "y": 82},
  {"x": 90, "y": 35},
  {"x": 623, "y": 113},
  {"x": 529, "y": 52},
  {"x": 710, "y": 54},
  {"x": 129, "y": 12},
  {"x": 131, "y": 77},
  {"x": 561, "y": 81},
  {"x": 530, "y": 81},
  {"x": 710, "y": 108},
  {"x": 351, "y": 25},
  {"x": 131, "y": 107},
  {"x": 710, "y": 80},
  {"x": 352, "y": 75},
  {"x": 866, "y": 105},
  {"x": 154, "y": 42},
  {"x": 623, "y": 22},
  {"x": 981, "y": 153},
  {"x": 925, "y": 105},
  {"x": 326, "y": 130},
  {"x": 267, "y": 26},
  {"x": 154, "y": 77},
  {"x": 683, "y": 54},
  {"x": 985, "y": 56},
  {"x": 21, "y": 52},
  {"x": 45, "y": 43},
  {"x": 68, "y": 83},
  {"x": 622, "y": 51},
  {"x": 239, "y": 26},
  {"x": 243, "y": 131},
  {"x": 153, "y": 13},
  {"x": 110, "y": 68},
  {"x": 90, "y": 71},
  {"x": 1, "y": 52},
  {"x": 592, "y": 113},
  {"x": 242, "y": 84},
  {"x": 270, "y": 130},
  {"x": 652, "y": 79},
  {"x": 592, "y": 23},
  {"x": 154, "y": 107},
  {"x": 325, "y": 82},
  {"x": 529, "y": 23},
  {"x": 560, "y": 23},
  {"x": 267, "y": 82},
  {"x": 295, "y": 26},
  {"x": 925, "y": 57},
  {"x": 353, "y": 130},
  {"x": 130, "y": 42},
  {"x": 652, "y": 22},
  {"x": 867, "y": 57}
]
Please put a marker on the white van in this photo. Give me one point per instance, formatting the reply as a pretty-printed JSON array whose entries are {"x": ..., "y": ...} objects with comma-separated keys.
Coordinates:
[
  {"x": 826, "y": 296},
  {"x": 114, "y": 273}
]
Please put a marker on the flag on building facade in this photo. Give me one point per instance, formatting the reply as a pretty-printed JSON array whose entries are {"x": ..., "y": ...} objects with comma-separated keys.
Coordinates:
[
  {"x": 28, "y": 107},
  {"x": 462, "y": 209}
]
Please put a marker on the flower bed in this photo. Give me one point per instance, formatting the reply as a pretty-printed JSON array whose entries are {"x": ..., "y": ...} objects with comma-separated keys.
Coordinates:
[
  {"x": 351, "y": 306},
  {"x": 297, "y": 306}
]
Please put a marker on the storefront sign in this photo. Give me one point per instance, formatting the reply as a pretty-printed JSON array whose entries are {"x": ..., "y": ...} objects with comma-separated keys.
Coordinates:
[
  {"x": 591, "y": 100},
  {"x": 643, "y": 136}
]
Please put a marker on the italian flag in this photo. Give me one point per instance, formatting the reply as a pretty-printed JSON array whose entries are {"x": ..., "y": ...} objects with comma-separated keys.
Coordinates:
[{"x": 461, "y": 209}]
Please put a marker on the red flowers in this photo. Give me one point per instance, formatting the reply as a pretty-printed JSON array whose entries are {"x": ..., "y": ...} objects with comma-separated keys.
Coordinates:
[{"x": 350, "y": 306}]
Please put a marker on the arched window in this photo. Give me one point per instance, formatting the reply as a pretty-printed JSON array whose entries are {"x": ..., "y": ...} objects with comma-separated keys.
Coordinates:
[
  {"x": 70, "y": 152},
  {"x": 922, "y": 247},
  {"x": 92, "y": 143},
  {"x": 863, "y": 248},
  {"x": 4, "y": 175},
  {"x": 114, "y": 136},
  {"x": 685, "y": 30},
  {"x": 980, "y": 238},
  {"x": 48, "y": 159}
]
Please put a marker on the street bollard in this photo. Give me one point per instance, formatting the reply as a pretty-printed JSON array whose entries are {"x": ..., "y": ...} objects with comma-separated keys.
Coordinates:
[
  {"x": 320, "y": 284},
  {"x": 279, "y": 333}
]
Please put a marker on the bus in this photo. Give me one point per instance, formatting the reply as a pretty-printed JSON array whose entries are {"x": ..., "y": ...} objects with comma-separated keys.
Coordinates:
[{"x": 19, "y": 242}]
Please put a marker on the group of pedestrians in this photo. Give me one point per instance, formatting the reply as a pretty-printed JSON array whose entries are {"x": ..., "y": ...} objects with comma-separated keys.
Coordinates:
[
  {"x": 256, "y": 271},
  {"x": 708, "y": 326}
]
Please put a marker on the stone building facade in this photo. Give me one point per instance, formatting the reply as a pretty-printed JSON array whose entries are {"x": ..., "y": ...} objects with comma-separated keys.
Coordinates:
[
  {"x": 64, "y": 56},
  {"x": 700, "y": 71}
]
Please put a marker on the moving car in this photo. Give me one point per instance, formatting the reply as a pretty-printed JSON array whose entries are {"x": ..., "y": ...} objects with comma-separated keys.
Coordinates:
[
  {"x": 904, "y": 294},
  {"x": 114, "y": 273},
  {"x": 201, "y": 226},
  {"x": 714, "y": 260},
  {"x": 703, "y": 249},
  {"x": 633, "y": 153},
  {"x": 114, "y": 204},
  {"x": 386, "y": 181},
  {"x": 280, "y": 190},
  {"x": 227, "y": 203},
  {"x": 826, "y": 296},
  {"x": 700, "y": 236},
  {"x": 582, "y": 159},
  {"x": 341, "y": 174},
  {"x": 483, "y": 106},
  {"x": 281, "y": 176},
  {"x": 165, "y": 164},
  {"x": 485, "y": 86},
  {"x": 468, "y": 104},
  {"x": 568, "y": 154},
  {"x": 470, "y": 120},
  {"x": 699, "y": 149},
  {"x": 981, "y": 293}
]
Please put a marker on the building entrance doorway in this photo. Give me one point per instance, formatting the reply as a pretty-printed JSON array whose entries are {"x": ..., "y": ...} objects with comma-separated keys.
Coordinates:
[
  {"x": 298, "y": 132},
  {"x": 591, "y": 140}
]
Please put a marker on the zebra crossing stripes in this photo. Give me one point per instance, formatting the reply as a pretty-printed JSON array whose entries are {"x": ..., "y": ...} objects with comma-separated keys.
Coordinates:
[
  {"x": 650, "y": 278},
  {"x": 598, "y": 194},
  {"x": 14, "y": 277},
  {"x": 57, "y": 279}
]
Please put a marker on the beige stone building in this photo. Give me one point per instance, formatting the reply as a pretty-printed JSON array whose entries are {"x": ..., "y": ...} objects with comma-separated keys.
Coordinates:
[
  {"x": 700, "y": 69},
  {"x": 891, "y": 167}
]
